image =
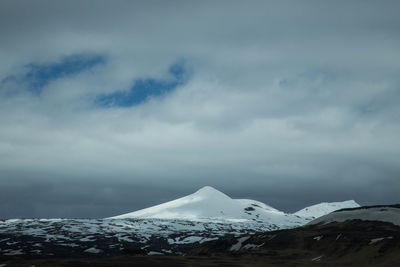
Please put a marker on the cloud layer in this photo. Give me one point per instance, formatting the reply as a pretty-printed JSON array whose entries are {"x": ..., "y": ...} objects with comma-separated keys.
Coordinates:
[{"x": 288, "y": 103}]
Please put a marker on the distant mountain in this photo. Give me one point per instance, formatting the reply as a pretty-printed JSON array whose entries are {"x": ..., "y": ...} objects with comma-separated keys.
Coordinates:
[
  {"x": 324, "y": 208},
  {"x": 383, "y": 213},
  {"x": 179, "y": 226},
  {"x": 210, "y": 204}
]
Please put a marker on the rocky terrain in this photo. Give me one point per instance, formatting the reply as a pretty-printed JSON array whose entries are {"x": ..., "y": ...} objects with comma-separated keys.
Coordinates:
[
  {"x": 361, "y": 236},
  {"x": 32, "y": 238},
  {"x": 349, "y": 243}
]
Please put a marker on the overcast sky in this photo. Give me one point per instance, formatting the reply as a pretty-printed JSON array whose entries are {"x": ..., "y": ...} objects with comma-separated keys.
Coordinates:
[{"x": 107, "y": 107}]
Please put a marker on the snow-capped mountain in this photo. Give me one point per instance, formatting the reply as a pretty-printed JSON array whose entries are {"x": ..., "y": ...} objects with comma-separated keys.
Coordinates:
[
  {"x": 207, "y": 203},
  {"x": 324, "y": 208},
  {"x": 210, "y": 204},
  {"x": 172, "y": 228}
]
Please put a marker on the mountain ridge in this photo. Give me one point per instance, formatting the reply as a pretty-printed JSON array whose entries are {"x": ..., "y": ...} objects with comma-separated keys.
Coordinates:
[
  {"x": 324, "y": 208},
  {"x": 208, "y": 203}
]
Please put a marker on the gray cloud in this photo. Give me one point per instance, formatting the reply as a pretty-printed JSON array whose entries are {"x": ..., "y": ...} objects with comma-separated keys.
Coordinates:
[{"x": 288, "y": 103}]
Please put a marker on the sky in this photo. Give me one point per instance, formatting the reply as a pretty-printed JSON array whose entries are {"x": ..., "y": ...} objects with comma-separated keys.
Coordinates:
[{"x": 107, "y": 107}]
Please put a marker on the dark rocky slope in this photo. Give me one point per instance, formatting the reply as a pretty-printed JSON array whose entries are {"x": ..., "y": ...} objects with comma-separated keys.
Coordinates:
[{"x": 350, "y": 243}]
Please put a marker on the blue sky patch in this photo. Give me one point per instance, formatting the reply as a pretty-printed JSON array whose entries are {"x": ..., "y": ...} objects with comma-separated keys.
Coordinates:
[
  {"x": 39, "y": 75},
  {"x": 143, "y": 89}
]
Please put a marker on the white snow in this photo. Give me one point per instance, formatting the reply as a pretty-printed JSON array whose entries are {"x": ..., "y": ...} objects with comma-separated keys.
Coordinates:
[
  {"x": 252, "y": 246},
  {"x": 208, "y": 239},
  {"x": 88, "y": 239},
  {"x": 317, "y": 258},
  {"x": 187, "y": 240},
  {"x": 387, "y": 214},
  {"x": 375, "y": 240},
  {"x": 11, "y": 252},
  {"x": 324, "y": 208},
  {"x": 255, "y": 203},
  {"x": 121, "y": 237},
  {"x": 209, "y": 204},
  {"x": 202, "y": 216},
  {"x": 155, "y": 253},
  {"x": 72, "y": 245},
  {"x": 128, "y": 230},
  {"x": 205, "y": 203},
  {"x": 238, "y": 245},
  {"x": 93, "y": 250},
  {"x": 318, "y": 238}
]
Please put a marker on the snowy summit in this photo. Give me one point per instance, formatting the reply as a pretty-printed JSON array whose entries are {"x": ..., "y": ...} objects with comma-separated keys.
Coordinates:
[
  {"x": 210, "y": 204},
  {"x": 205, "y": 203}
]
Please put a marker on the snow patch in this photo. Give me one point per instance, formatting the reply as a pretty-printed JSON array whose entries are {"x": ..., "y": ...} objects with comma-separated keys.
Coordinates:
[
  {"x": 317, "y": 258},
  {"x": 87, "y": 239},
  {"x": 208, "y": 239},
  {"x": 375, "y": 240},
  {"x": 324, "y": 208},
  {"x": 211, "y": 205},
  {"x": 238, "y": 245},
  {"x": 93, "y": 250},
  {"x": 11, "y": 252},
  {"x": 155, "y": 253},
  {"x": 252, "y": 246},
  {"x": 318, "y": 238},
  {"x": 72, "y": 245}
]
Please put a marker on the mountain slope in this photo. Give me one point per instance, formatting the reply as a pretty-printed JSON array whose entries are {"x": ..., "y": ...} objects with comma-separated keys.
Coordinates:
[
  {"x": 210, "y": 204},
  {"x": 201, "y": 204},
  {"x": 348, "y": 243},
  {"x": 324, "y": 208},
  {"x": 387, "y": 213}
]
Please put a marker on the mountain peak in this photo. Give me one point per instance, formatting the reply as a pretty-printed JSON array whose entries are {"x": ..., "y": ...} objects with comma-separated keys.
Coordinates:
[
  {"x": 210, "y": 204},
  {"x": 208, "y": 192}
]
